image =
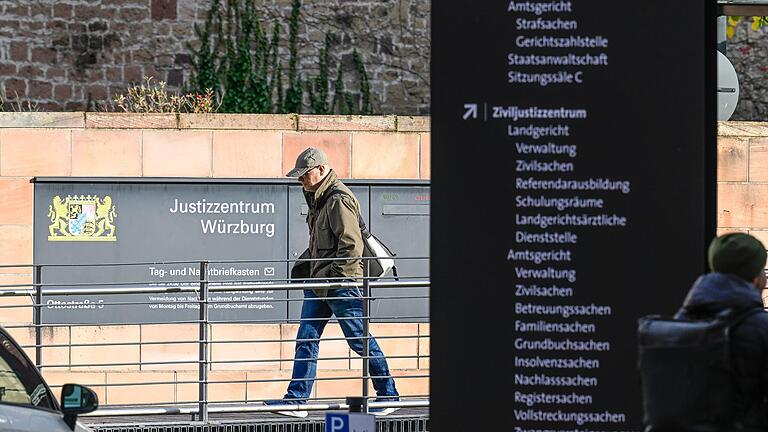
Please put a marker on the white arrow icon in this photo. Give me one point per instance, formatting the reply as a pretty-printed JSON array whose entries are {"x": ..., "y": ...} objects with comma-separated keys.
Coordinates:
[{"x": 471, "y": 111}]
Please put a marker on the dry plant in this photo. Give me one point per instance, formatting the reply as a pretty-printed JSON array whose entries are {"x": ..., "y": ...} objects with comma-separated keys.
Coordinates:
[
  {"x": 155, "y": 98},
  {"x": 17, "y": 104}
]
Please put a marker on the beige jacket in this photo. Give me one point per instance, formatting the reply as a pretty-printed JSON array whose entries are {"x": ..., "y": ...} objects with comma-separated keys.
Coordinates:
[{"x": 334, "y": 232}]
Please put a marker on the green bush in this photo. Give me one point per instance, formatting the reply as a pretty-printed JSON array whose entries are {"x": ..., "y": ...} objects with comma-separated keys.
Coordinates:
[{"x": 236, "y": 58}]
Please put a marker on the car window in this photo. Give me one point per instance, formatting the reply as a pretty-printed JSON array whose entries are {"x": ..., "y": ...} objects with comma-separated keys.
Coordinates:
[{"x": 19, "y": 381}]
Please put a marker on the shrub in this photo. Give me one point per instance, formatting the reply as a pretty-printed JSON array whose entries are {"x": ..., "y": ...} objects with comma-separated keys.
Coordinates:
[{"x": 238, "y": 60}]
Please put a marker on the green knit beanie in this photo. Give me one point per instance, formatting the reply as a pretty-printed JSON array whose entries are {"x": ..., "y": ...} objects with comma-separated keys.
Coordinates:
[{"x": 737, "y": 253}]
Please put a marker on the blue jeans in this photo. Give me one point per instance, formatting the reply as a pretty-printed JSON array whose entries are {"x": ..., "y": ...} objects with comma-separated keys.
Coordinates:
[{"x": 314, "y": 317}]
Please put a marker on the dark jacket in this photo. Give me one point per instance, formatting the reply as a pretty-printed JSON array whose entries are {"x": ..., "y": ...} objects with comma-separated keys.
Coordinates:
[
  {"x": 334, "y": 232},
  {"x": 713, "y": 293}
]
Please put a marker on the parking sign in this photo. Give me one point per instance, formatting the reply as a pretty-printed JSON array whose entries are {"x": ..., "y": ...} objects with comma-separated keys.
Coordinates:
[{"x": 349, "y": 422}]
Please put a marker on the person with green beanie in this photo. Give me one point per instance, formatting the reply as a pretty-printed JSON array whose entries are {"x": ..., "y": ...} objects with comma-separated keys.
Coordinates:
[
  {"x": 734, "y": 285},
  {"x": 739, "y": 254}
]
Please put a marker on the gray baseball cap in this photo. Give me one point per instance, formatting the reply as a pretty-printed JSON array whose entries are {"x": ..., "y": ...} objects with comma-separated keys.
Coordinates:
[{"x": 307, "y": 160}]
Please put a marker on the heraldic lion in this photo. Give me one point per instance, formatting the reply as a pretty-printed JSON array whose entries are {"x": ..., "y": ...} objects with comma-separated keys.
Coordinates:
[
  {"x": 105, "y": 215},
  {"x": 59, "y": 215}
]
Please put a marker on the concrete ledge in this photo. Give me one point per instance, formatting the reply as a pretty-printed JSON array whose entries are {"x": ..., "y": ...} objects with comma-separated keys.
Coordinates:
[
  {"x": 745, "y": 129},
  {"x": 42, "y": 119},
  {"x": 216, "y": 121},
  {"x": 238, "y": 121},
  {"x": 311, "y": 122},
  {"x": 131, "y": 121},
  {"x": 412, "y": 124}
]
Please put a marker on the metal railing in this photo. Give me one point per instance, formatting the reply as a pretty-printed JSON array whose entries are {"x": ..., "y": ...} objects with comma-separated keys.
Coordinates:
[{"x": 205, "y": 291}]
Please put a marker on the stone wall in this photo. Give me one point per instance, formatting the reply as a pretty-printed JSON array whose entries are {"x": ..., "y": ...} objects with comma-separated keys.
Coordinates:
[
  {"x": 66, "y": 55},
  {"x": 196, "y": 145},
  {"x": 63, "y": 55},
  {"x": 742, "y": 186},
  {"x": 748, "y": 52}
]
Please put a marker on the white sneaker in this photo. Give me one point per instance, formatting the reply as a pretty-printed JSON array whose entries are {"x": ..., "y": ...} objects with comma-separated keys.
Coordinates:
[
  {"x": 297, "y": 414},
  {"x": 289, "y": 413},
  {"x": 381, "y": 412}
]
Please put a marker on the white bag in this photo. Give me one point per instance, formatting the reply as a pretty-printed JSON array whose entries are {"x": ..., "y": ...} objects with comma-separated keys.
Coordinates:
[{"x": 382, "y": 261}]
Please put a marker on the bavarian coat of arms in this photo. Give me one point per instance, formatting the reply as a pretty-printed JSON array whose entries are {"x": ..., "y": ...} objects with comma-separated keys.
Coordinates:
[{"x": 82, "y": 218}]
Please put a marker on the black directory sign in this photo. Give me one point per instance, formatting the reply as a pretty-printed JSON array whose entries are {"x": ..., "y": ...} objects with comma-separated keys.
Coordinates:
[{"x": 573, "y": 192}]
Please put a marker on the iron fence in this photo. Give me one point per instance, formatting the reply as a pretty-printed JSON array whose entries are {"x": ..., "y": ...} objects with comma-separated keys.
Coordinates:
[{"x": 203, "y": 299}]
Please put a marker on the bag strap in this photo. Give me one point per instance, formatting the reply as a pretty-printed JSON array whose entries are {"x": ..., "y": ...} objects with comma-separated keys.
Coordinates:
[
  {"x": 336, "y": 191},
  {"x": 361, "y": 222},
  {"x": 739, "y": 318},
  {"x": 732, "y": 318},
  {"x": 363, "y": 228}
]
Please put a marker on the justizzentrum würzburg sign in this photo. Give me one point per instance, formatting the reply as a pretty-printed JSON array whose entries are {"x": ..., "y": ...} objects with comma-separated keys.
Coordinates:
[{"x": 151, "y": 234}]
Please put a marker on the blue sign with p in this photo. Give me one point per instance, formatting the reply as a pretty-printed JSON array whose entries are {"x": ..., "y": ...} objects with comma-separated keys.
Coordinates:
[{"x": 349, "y": 422}]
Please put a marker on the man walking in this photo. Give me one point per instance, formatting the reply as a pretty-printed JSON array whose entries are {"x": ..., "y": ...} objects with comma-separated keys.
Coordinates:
[{"x": 334, "y": 232}]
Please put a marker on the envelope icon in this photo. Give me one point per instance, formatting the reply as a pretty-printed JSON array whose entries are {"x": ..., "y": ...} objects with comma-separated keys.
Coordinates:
[{"x": 269, "y": 271}]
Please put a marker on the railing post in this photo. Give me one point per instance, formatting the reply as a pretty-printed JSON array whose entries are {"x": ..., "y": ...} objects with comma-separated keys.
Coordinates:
[
  {"x": 203, "y": 343},
  {"x": 366, "y": 332},
  {"x": 37, "y": 314}
]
